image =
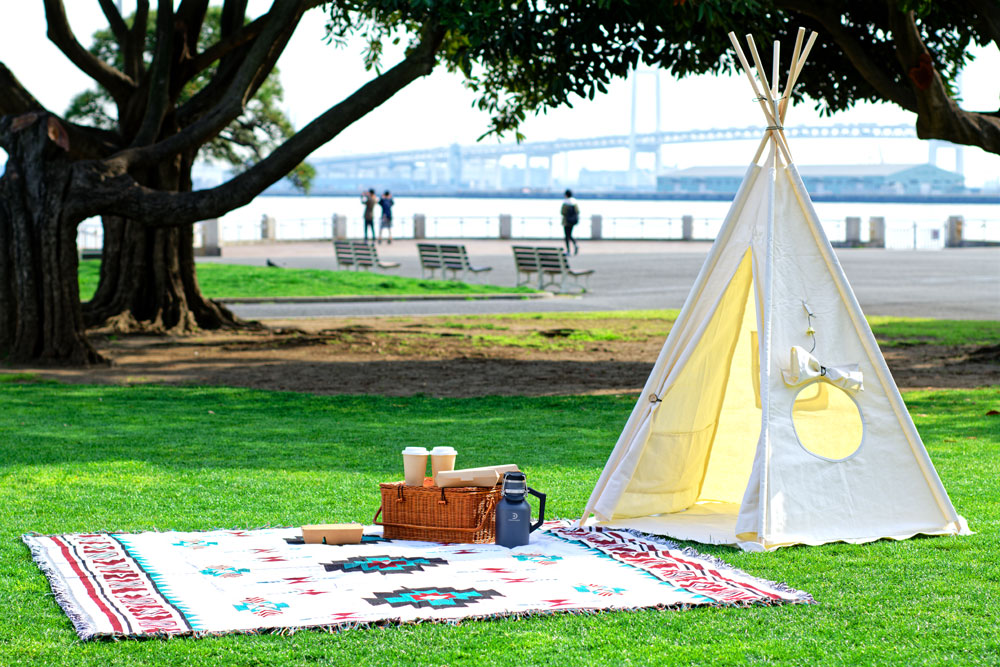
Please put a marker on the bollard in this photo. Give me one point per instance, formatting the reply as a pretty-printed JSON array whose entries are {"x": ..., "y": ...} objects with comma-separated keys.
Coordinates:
[
  {"x": 267, "y": 226},
  {"x": 596, "y": 223},
  {"x": 339, "y": 227},
  {"x": 505, "y": 225},
  {"x": 419, "y": 226},
  {"x": 954, "y": 227},
  {"x": 687, "y": 228},
  {"x": 876, "y": 232},
  {"x": 209, "y": 238},
  {"x": 852, "y": 235}
]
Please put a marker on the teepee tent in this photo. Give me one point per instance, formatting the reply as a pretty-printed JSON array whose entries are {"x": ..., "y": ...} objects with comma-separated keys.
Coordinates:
[{"x": 770, "y": 417}]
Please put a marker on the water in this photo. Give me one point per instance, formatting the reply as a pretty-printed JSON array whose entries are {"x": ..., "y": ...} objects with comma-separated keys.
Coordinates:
[{"x": 908, "y": 226}]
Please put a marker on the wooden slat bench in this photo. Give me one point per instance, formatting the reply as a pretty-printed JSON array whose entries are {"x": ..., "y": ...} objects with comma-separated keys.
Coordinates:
[
  {"x": 359, "y": 255},
  {"x": 526, "y": 263},
  {"x": 551, "y": 266},
  {"x": 447, "y": 257}
]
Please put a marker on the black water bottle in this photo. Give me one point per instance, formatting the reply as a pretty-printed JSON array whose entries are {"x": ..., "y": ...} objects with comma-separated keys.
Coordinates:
[{"x": 513, "y": 512}]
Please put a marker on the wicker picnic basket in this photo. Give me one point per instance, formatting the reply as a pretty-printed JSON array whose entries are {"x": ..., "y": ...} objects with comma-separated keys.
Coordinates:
[{"x": 461, "y": 514}]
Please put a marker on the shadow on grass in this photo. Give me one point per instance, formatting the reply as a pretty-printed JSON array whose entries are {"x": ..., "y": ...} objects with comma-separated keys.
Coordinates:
[{"x": 442, "y": 378}]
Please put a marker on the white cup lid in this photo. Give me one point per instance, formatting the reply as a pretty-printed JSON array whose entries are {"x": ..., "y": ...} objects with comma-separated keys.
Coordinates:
[
  {"x": 415, "y": 450},
  {"x": 443, "y": 451}
]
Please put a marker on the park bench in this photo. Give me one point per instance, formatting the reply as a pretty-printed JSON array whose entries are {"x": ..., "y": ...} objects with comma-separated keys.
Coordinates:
[
  {"x": 359, "y": 255},
  {"x": 447, "y": 257},
  {"x": 550, "y": 265}
]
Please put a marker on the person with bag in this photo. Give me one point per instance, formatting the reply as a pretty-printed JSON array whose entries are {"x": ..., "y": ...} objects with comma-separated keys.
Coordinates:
[{"x": 570, "y": 216}]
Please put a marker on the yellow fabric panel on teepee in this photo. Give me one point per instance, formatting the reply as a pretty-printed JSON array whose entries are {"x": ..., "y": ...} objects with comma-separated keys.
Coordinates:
[
  {"x": 669, "y": 475},
  {"x": 739, "y": 420}
]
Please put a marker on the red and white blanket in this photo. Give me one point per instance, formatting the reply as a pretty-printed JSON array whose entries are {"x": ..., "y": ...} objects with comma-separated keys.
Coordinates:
[{"x": 172, "y": 584}]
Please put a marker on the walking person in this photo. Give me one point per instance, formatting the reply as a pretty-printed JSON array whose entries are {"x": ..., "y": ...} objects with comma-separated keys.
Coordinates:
[
  {"x": 369, "y": 200},
  {"x": 386, "y": 203},
  {"x": 570, "y": 216}
]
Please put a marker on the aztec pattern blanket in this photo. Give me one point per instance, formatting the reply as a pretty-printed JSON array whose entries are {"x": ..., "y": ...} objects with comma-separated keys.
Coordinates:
[{"x": 173, "y": 584}]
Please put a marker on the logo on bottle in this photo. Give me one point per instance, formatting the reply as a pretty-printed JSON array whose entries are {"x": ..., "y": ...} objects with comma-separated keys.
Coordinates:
[{"x": 514, "y": 517}]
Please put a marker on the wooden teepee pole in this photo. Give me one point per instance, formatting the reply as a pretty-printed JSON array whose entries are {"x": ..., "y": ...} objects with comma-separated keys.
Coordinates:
[
  {"x": 798, "y": 62},
  {"x": 768, "y": 112},
  {"x": 790, "y": 82}
]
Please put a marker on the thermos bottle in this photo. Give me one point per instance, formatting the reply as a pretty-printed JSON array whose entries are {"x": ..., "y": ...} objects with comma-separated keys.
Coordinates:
[{"x": 514, "y": 513}]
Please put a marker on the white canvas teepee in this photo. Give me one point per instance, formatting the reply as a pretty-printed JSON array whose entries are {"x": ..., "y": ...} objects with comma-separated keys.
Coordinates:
[{"x": 770, "y": 417}]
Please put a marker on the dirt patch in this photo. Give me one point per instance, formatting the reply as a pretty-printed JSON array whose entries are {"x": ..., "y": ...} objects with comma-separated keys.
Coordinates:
[{"x": 450, "y": 356}]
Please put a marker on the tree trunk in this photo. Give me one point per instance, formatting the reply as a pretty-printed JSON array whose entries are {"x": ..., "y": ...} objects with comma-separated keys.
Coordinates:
[
  {"x": 148, "y": 281},
  {"x": 40, "y": 316}
]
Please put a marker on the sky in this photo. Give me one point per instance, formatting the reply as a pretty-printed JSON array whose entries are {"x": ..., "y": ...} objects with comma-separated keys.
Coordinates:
[{"x": 437, "y": 110}]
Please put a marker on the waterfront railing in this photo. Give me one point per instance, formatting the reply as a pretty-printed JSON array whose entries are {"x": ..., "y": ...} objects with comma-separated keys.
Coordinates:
[{"x": 850, "y": 231}]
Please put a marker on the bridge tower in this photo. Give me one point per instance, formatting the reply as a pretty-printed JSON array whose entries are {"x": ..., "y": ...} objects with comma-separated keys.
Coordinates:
[{"x": 633, "y": 146}]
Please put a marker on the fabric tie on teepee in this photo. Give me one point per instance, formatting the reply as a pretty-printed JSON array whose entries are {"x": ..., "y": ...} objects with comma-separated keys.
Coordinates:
[{"x": 805, "y": 368}]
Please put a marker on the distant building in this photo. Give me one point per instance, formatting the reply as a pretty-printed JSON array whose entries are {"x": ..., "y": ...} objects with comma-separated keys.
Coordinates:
[
  {"x": 828, "y": 179},
  {"x": 606, "y": 180}
]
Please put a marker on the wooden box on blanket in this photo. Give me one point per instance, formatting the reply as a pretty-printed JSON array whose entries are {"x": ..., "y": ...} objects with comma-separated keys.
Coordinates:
[{"x": 462, "y": 514}]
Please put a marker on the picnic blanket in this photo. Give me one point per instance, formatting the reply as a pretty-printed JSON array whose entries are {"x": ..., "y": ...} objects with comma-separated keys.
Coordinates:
[{"x": 198, "y": 583}]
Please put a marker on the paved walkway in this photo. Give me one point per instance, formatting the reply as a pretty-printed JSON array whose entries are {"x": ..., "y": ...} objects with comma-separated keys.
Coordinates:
[{"x": 960, "y": 283}]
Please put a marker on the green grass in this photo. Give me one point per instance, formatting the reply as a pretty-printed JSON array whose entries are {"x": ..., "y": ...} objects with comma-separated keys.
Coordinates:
[
  {"x": 666, "y": 314},
  {"x": 82, "y": 458},
  {"x": 896, "y": 331},
  {"x": 236, "y": 280},
  {"x": 889, "y": 331}
]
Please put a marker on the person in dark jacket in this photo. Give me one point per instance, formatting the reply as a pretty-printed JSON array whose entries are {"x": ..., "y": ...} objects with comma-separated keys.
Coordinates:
[
  {"x": 385, "y": 201},
  {"x": 570, "y": 217}
]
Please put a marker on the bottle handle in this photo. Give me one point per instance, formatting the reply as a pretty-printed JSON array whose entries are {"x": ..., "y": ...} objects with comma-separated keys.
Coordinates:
[{"x": 541, "y": 509}]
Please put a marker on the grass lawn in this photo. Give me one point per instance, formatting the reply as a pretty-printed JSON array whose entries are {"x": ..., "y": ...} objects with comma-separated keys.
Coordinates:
[
  {"x": 83, "y": 458},
  {"x": 236, "y": 280},
  {"x": 889, "y": 331}
]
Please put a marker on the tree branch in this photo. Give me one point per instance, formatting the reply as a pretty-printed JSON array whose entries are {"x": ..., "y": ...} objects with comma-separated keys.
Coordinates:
[
  {"x": 115, "y": 21},
  {"x": 938, "y": 115},
  {"x": 61, "y": 35},
  {"x": 225, "y": 46},
  {"x": 254, "y": 69},
  {"x": 190, "y": 19},
  {"x": 15, "y": 98},
  {"x": 116, "y": 193},
  {"x": 158, "y": 93},
  {"x": 875, "y": 73},
  {"x": 135, "y": 45}
]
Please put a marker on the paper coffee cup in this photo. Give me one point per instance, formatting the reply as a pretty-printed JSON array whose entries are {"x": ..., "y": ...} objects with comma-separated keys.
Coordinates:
[
  {"x": 442, "y": 458},
  {"x": 414, "y": 465}
]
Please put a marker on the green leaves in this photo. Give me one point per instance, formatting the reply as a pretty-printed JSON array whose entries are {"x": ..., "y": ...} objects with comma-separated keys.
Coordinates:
[{"x": 525, "y": 57}]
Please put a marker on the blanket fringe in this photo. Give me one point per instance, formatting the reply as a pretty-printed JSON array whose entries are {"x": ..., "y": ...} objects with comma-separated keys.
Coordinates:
[
  {"x": 60, "y": 591},
  {"x": 799, "y": 597},
  {"x": 389, "y": 623}
]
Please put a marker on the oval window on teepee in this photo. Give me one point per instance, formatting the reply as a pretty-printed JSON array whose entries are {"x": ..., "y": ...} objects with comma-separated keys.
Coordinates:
[{"x": 827, "y": 421}]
